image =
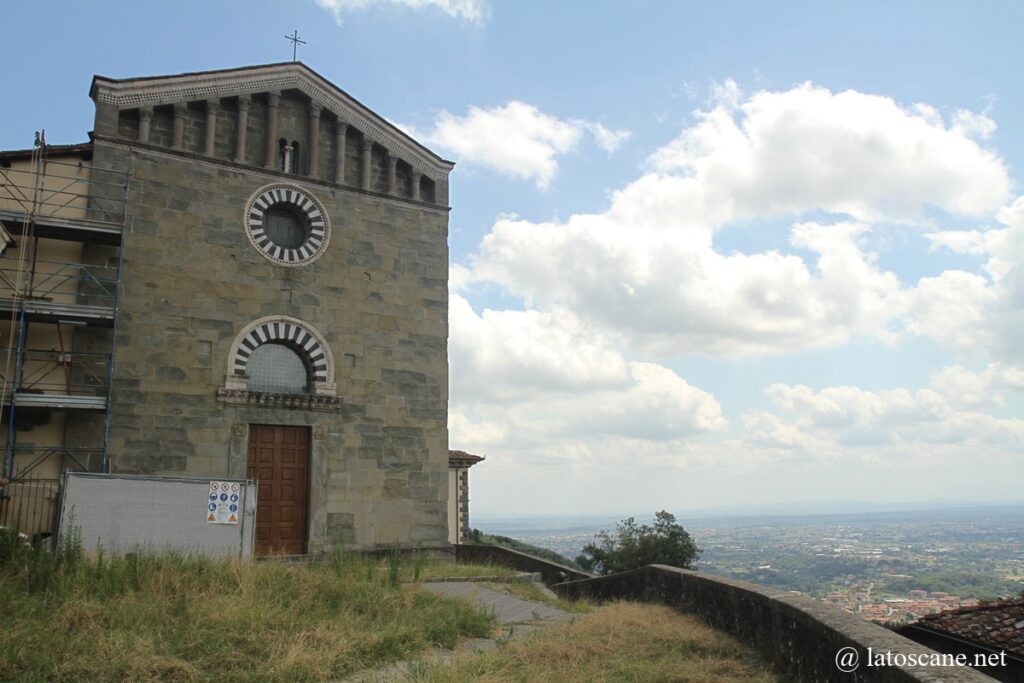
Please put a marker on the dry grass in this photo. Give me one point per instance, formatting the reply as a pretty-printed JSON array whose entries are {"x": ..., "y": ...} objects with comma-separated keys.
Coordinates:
[
  {"x": 176, "y": 618},
  {"x": 617, "y": 642}
]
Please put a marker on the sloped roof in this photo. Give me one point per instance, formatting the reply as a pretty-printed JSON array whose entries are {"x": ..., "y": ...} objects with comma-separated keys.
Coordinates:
[
  {"x": 81, "y": 149},
  {"x": 463, "y": 459},
  {"x": 149, "y": 91},
  {"x": 999, "y": 625}
]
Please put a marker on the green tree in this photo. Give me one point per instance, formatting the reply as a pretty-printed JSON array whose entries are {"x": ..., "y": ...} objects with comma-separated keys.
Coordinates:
[{"x": 636, "y": 545}]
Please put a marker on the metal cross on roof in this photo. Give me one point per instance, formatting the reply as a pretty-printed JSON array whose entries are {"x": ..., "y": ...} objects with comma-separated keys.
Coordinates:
[{"x": 295, "y": 44}]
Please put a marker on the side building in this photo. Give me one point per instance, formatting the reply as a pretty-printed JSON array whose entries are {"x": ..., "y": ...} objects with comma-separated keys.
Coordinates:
[
  {"x": 459, "y": 463},
  {"x": 242, "y": 274}
]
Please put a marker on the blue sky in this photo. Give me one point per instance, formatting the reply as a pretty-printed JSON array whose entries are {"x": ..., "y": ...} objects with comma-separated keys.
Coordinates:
[{"x": 703, "y": 253}]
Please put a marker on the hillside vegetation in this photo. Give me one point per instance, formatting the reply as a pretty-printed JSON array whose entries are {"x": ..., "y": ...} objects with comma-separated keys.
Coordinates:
[{"x": 67, "y": 617}]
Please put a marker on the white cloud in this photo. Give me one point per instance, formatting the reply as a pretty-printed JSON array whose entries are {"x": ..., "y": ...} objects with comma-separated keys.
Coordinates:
[
  {"x": 951, "y": 308},
  {"x": 647, "y": 270},
  {"x": 549, "y": 395},
  {"x": 515, "y": 139},
  {"x": 973, "y": 124},
  {"x": 503, "y": 355},
  {"x": 968, "y": 388},
  {"x": 531, "y": 379},
  {"x": 475, "y": 11},
  {"x": 849, "y": 152},
  {"x": 671, "y": 292},
  {"x": 607, "y": 139},
  {"x": 971, "y": 311},
  {"x": 837, "y": 419}
]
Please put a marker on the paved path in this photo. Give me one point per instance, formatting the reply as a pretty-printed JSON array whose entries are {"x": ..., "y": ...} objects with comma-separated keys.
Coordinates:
[
  {"x": 517, "y": 617},
  {"x": 506, "y": 607}
]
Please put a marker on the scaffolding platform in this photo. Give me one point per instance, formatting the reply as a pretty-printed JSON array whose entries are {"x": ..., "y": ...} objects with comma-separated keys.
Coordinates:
[
  {"x": 63, "y": 198},
  {"x": 58, "y": 401},
  {"x": 51, "y": 312},
  {"x": 72, "y": 229}
]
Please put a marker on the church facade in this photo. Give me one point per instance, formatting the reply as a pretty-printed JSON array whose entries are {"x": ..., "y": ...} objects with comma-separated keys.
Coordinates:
[{"x": 281, "y": 306}]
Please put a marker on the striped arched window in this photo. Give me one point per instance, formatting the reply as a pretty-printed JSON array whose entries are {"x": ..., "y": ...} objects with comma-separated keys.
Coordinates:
[{"x": 280, "y": 354}]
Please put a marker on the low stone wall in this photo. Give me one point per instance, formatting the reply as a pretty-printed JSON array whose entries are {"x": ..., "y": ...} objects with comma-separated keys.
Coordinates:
[
  {"x": 800, "y": 635},
  {"x": 551, "y": 572}
]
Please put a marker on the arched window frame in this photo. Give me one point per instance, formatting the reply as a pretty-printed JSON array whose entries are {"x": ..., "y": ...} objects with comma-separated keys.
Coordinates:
[
  {"x": 283, "y": 157},
  {"x": 302, "y": 337},
  {"x": 295, "y": 166}
]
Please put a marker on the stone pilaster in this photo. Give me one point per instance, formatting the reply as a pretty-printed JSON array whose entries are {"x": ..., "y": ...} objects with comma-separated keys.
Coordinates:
[
  {"x": 270, "y": 154},
  {"x": 243, "y": 122},
  {"x": 314, "y": 140},
  {"x": 392, "y": 174},
  {"x": 339, "y": 152},
  {"x": 212, "y": 107},
  {"x": 145, "y": 116},
  {"x": 364, "y": 178},
  {"x": 178, "y": 132},
  {"x": 414, "y": 181},
  {"x": 463, "y": 511}
]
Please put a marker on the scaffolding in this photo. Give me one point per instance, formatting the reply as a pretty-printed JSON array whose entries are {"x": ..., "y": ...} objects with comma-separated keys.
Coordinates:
[{"x": 46, "y": 200}]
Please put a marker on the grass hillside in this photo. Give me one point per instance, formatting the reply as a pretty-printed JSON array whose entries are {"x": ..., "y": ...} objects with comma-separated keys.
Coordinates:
[
  {"x": 620, "y": 641},
  {"x": 67, "y": 617}
]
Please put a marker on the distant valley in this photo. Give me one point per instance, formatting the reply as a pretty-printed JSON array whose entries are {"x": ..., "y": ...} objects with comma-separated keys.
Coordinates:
[{"x": 888, "y": 567}]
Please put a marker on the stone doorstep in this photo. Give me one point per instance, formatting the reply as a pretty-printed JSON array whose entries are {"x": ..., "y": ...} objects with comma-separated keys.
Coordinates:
[{"x": 287, "y": 559}]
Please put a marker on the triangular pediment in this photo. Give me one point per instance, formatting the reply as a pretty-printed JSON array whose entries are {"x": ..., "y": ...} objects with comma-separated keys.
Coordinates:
[{"x": 154, "y": 91}]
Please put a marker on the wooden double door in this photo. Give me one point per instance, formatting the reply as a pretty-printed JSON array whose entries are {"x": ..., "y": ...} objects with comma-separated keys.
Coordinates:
[{"x": 279, "y": 460}]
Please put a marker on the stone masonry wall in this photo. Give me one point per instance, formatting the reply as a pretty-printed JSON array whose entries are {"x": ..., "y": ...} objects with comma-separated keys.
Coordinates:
[
  {"x": 378, "y": 294},
  {"x": 293, "y": 125}
]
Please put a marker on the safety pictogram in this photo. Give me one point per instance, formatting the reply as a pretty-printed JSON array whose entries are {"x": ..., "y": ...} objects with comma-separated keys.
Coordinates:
[{"x": 222, "y": 507}]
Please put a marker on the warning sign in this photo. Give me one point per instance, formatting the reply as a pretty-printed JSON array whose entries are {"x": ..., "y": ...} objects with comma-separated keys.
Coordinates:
[{"x": 222, "y": 508}]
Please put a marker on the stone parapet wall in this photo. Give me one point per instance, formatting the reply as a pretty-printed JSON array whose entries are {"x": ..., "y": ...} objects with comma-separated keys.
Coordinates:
[
  {"x": 551, "y": 572},
  {"x": 801, "y": 635}
]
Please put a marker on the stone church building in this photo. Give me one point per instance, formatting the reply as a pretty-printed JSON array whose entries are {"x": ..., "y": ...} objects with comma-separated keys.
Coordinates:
[{"x": 242, "y": 275}]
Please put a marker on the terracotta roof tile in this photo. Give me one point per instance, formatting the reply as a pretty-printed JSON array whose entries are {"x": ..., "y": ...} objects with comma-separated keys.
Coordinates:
[
  {"x": 998, "y": 623},
  {"x": 463, "y": 459}
]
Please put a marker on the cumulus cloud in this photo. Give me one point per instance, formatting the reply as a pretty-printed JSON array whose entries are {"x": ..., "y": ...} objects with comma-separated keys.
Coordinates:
[
  {"x": 849, "y": 152},
  {"x": 972, "y": 311},
  {"x": 475, "y": 11},
  {"x": 968, "y": 388},
  {"x": 516, "y": 139},
  {"x": 839, "y": 418},
  {"x": 672, "y": 292},
  {"x": 503, "y": 355},
  {"x": 607, "y": 139},
  {"x": 527, "y": 378},
  {"x": 832, "y": 172},
  {"x": 647, "y": 267}
]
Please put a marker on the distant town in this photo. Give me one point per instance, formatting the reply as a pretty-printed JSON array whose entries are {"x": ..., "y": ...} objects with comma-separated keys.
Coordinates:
[{"x": 886, "y": 567}]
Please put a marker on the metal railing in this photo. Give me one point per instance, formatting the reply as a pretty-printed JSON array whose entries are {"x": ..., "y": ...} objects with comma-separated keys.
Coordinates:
[
  {"x": 65, "y": 190},
  {"x": 61, "y": 372},
  {"x": 58, "y": 282},
  {"x": 30, "y": 506},
  {"x": 61, "y": 458}
]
